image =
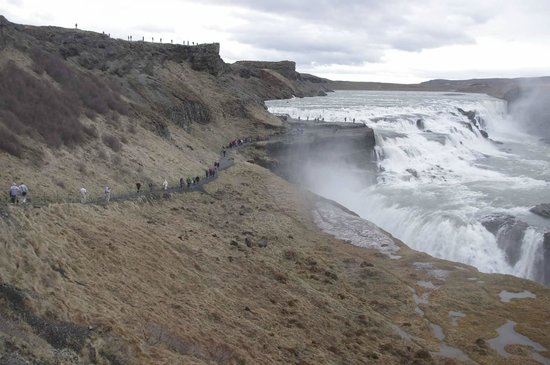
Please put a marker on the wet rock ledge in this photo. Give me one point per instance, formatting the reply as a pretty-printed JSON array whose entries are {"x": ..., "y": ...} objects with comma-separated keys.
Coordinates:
[{"x": 307, "y": 142}]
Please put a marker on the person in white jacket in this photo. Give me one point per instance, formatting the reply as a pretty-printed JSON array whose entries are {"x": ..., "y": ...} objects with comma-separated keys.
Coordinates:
[
  {"x": 83, "y": 195},
  {"x": 23, "y": 190},
  {"x": 165, "y": 184},
  {"x": 107, "y": 192}
]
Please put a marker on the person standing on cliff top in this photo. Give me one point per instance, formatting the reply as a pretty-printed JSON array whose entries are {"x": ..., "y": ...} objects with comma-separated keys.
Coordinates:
[{"x": 138, "y": 187}]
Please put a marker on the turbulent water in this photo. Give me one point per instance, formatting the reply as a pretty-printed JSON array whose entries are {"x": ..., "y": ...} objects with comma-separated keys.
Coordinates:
[{"x": 438, "y": 177}]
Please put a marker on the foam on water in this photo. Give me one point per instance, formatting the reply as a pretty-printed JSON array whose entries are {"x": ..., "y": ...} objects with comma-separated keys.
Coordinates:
[{"x": 435, "y": 183}]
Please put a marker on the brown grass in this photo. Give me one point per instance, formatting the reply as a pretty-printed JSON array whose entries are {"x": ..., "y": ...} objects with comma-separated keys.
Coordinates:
[
  {"x": 164, "y": 276},
  {"x": 30, "y": 106},
  {"x": 112, "y": 142},
  {"x": 33, "y": 107}
]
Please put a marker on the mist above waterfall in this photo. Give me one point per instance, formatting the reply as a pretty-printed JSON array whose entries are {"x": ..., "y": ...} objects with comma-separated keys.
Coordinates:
[{"x": 531, "y": 108}]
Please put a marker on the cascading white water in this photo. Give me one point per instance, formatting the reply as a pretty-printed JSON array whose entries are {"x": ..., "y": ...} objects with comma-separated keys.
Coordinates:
[{"x": 438, "y": 175}]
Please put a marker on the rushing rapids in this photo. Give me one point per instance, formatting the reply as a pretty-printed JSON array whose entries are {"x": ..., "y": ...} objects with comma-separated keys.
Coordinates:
[{"x": 456, "y": 176}]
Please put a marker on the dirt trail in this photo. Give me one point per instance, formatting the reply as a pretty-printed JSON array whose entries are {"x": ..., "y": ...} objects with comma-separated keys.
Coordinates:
[{"x": 225, "y": 162}]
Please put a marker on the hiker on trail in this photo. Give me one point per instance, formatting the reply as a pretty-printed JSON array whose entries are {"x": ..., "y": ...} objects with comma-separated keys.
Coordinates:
[
  {"x": 150, "y": 187},
  {"x": 189, "y": 181},
  {"x": 182, "y": 183},
  {"x": 165, "y": 184},
  {"x": 83, "y": 193},
  {"x": 24, "y": 190},
  {"x": 206, "y": 173},
  {"x": 107, "y": 193},
  {"x": 197, "y": 179},
  {"x": 14, "y": 189},
  {"x": 224, "y": 152},
  {"x": 138, "y": 187}
]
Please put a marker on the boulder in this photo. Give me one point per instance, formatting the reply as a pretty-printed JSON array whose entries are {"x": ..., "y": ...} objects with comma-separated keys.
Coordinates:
[
  {"x": 413, "y": 172},
  {"x": 509, "y": 232},
  {"x": 542, "y": 209},
  {"x": 475, "y": 121}
]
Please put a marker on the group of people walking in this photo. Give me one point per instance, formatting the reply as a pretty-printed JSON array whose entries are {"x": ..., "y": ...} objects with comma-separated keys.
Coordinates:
[{"x": 19, "y": 193}]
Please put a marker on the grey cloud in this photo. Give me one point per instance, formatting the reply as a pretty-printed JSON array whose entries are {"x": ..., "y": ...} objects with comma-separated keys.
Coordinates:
[
  {"x": 153, "y": 28},
  {"x": 306, "y": 43},
  {"x": 353, "y": 31}
]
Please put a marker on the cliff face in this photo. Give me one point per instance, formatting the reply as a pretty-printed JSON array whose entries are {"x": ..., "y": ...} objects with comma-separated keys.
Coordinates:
[
  {"x": 285, "y": 68},
  {"x": 324, "y": 144},
  {"x": 268, "y": 74}
]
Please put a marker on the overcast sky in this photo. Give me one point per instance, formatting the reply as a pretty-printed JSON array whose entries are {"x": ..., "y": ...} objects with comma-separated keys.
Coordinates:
[{"x": 402, "y": 41}]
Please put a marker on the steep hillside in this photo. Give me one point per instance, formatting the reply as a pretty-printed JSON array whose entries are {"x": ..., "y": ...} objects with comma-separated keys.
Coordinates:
[
  {"x": 79, "y": 108},
  {"x": 240, "y": 274}
]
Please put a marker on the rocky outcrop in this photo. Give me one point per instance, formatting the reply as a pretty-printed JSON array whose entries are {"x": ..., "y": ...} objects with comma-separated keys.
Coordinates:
[
  {"x": 509, "y": 232},
  {"x": 189, "y": 111},
  {"x": 475, "y": 120},
  {"x": 277, "y": 80},
  {"x": 203, "y": 57},
  {"x": 309, "y": 143},
  {"x": 285, "y": 68},
  {"x": 542, "y": 209},
  {"x": 95, "y": 51}
]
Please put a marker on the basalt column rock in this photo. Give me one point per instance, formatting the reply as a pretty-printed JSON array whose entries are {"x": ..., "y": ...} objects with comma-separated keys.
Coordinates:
[
  {"x": 203, "y": 57},
  {"x": 187, "y": 111}
]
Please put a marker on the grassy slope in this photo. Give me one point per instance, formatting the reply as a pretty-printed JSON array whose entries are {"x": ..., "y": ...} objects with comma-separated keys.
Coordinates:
[{"x": 165, "y": 278}]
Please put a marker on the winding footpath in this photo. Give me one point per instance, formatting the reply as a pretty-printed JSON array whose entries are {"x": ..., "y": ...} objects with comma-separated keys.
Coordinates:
[{"x": 225, "y": 162}]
